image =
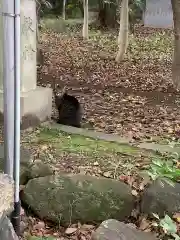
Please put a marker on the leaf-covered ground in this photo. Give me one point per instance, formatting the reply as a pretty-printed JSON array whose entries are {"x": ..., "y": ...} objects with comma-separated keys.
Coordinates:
[
  {"x": 134, "y": 98},
  {"x": 79, "y": 154}
]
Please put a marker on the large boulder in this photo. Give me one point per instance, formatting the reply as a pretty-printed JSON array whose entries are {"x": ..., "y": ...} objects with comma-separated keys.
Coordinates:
[
  {"x": 72, "y": 198},
  {"x": 114, "y": 230},
  {"x": 28, "y": 169},
  {"x": 161, "y": 198}
]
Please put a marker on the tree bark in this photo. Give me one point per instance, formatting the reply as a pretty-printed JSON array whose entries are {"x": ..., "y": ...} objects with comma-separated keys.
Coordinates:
[
  {"x": 176, "y": 55},
  {"x": 123, "y": 31},
  {"x": 85, "y": 24}
]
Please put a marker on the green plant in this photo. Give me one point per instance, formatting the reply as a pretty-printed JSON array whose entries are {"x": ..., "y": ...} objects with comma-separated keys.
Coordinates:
[
  {"x": 168, "y": 226},
  {"x": 164, "y": 168}
]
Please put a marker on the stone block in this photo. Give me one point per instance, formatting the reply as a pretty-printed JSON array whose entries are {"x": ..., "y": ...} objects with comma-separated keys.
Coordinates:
[{"x": 36, "y": 106}]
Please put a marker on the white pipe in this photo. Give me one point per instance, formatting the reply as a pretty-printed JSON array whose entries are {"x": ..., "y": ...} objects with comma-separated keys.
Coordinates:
[
  {"x": 8, "y": 84},
  {"x": 17, "y": 120},
  {"x": 15, "y": 217}
]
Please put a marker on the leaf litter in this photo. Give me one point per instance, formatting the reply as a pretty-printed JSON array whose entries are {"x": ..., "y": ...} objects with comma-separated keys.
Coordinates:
[{"x": 135, "y": 98}]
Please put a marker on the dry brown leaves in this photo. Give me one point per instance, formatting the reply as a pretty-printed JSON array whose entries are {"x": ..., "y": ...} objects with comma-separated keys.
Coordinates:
[
  {"x": 32, "y": 226},
  {"x": 134, "y": 98}
]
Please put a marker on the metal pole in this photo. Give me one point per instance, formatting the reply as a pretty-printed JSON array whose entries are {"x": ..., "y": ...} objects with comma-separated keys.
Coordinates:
[
  {"x": 8, "y": 84},
  {"x": 17, "y": 62}
]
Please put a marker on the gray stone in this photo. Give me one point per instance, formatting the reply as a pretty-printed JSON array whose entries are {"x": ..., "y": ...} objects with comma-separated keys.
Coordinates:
[
  {"x": 72, "y": 198},
  {"x": 28, "y": 169},
  {"x": 25, "y": 163},
  {"x": 36, "y": 106},
  {"x": 34, "y": 170},
  {"x": 114, "y": 230},
  {"x": 91, "y": 134},
  {"x": 7, "y": 231},
  {"x": 161, "y": 198},
  {"x": 40, "y": 169},
  {"x": 159, "y": 147}
]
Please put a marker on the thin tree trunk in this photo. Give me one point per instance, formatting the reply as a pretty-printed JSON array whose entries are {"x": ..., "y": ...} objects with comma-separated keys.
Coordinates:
[
  {"x": 38, "y": 7},
  {"x": 64, "y": 10},
  {"x": 123, "y": 31},
  {"x": 176, "y": 57},
  {"x": 81, "y": 7},
  {"x": 85, "y": 24}
]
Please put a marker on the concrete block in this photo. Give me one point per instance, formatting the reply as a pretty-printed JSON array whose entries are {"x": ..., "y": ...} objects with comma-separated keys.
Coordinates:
[{"x": 36, "y": 107}]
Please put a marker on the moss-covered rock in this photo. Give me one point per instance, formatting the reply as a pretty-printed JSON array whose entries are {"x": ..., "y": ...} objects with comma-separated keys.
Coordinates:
[
  {"x": 72, "y": 198},
  {"x": 161, "y": 197}
]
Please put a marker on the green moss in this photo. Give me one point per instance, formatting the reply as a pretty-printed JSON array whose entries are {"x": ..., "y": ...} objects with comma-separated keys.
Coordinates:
[
  {"x": 80, "y": 144},
  {"x": 111, "y": 158}
]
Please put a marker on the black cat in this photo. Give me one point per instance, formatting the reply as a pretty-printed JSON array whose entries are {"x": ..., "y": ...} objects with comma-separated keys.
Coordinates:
[{"x": 69, "y": 109}]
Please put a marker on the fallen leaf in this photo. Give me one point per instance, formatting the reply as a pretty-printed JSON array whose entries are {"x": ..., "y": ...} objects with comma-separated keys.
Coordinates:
[
  {"x": 70, "y": 231},
  {"x": 107, "y": 174},
  {"x": 96, "y": 164},
  {"x": 39, "y": 225},
  {"x": 177, "y": 217},
  {"x": 134, "y": 193},
  {"x": 144, "y": 224}
]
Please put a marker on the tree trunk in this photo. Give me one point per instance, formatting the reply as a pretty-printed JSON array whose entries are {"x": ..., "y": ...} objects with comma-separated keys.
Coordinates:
[
  {"x": 123, "y": 31},
  {"x": 64, "y": 10},
  {"x": 102, "y": 13},
  {"x": 107, "y": 14},
  {"x": 85, "y": 24},
  {"x": 81, "y": 7},
  {"x": 176, "y": 57}
]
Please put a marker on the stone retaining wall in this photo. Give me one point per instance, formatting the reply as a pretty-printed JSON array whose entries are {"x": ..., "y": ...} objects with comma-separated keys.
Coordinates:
[{"x": 6, "y": 208}]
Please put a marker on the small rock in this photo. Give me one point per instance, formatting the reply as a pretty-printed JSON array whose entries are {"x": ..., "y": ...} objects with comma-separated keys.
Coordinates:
[
  {"x": 40, "y": 169},
  {"x": 114, "y": 230}
]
